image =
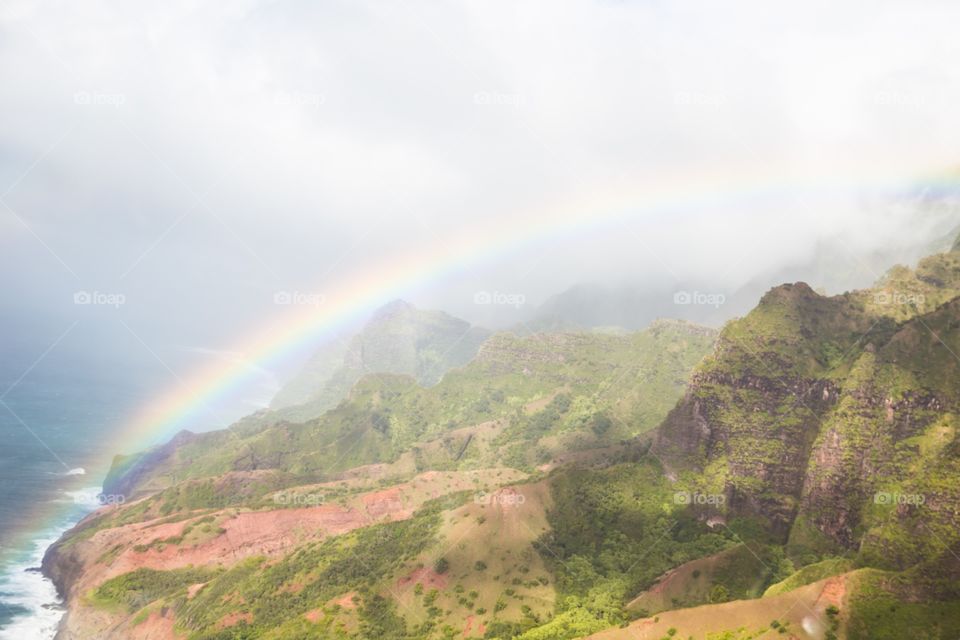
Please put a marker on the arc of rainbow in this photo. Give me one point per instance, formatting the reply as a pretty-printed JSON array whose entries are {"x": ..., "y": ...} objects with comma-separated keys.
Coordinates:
[
  {"x": 382, "y": 281},
  {"x": 379, "y": 283}
]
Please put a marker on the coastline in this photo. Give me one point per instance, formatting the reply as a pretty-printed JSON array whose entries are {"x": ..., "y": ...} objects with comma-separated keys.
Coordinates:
[
  {"x": 51, "y": 567},
  {"x": 41, "y": 604},
  {"x": 37, "y": 585},
  {"x": 62, "y": 572},
  {"x": 60, "y": 569}
]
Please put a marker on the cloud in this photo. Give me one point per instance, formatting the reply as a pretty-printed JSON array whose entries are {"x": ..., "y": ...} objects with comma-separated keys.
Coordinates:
[{"x": 199, "y": 156}]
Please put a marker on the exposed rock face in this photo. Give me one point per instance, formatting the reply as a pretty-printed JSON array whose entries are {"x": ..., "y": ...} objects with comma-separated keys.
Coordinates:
[
  {"x": 809, "y": 407},
  {"x": 834, "y": 490},
  {"x": 857, "y": 447},
  {"x": 753, "y": 410},
  {"x": 765, "y": 459},
  {"x": 61, "y": 568},
  {"x": 889, "y": 440}
]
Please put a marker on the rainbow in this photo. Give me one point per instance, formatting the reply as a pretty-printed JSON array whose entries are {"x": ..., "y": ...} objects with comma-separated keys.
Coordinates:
[
  {"x": 357, "y": 296},
  {"x": 368, "y": 289}
]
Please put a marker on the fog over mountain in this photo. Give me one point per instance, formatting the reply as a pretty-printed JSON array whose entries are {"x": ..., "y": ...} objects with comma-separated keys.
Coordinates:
[{"x": 198, "y": 159}]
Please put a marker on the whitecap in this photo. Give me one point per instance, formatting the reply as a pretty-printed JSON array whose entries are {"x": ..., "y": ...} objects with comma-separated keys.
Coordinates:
[{"x": 24, "y": 587}]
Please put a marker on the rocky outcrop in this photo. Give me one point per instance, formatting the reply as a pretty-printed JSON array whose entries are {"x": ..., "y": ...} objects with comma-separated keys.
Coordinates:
[
  {"x": 806, "y": 407},
  {"x": 62, "y": 568},
  {"x": 759, "y": 428}
]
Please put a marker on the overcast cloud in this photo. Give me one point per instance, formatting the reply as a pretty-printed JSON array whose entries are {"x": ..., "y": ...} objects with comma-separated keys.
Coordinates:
[{"x": 197, "y": 157}]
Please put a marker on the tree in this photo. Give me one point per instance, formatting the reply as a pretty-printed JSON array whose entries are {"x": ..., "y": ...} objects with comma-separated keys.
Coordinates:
[{"x": 719, "y": 594}]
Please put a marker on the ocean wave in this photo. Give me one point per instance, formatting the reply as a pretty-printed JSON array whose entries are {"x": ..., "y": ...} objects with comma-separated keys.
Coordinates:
[{"x": 24, "y": 588}]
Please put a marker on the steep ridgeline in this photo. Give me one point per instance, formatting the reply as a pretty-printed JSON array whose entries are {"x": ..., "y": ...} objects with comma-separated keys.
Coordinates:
[
  {"x": 399, "y": 338},
  {"x": 831, "y": 422}
]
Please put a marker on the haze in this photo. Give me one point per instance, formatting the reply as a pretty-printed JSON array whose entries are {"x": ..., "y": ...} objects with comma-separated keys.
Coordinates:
[{"x": 197, "y": 158}]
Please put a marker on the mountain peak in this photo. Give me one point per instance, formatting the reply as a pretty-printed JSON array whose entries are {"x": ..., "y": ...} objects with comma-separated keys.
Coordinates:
[
  {"x": 394, "y": 308},
  {"x": 789, "y": 291},
  {"x": 399, "y": 338}
]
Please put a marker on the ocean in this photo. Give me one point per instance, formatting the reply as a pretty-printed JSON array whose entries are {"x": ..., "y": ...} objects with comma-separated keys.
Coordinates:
[
  {"x": 58, "y": 419},
  {"x": 54, "y": 452}
]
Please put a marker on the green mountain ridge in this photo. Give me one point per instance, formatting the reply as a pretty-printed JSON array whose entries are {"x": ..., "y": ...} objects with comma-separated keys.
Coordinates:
[
  {"x": 794, "y": 388},
  {"x": 634, "y": 377},
  {"x": 670, "y": 482}
]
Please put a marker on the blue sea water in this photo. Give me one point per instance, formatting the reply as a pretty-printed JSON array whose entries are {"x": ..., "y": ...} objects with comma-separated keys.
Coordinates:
[
  {"x": 55, "y": 446},
  {"x": 59, "y": 413}
]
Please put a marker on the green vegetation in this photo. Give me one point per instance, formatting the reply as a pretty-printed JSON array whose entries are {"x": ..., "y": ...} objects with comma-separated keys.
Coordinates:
[
  {"x": 139, "y": 588},
  {"x": 821, "y": 438},
  {"x": 306, "y": 579},
  {"x": 399, "y": 339},
  {"x": 618, "y": 386},
  {"x": 614, "y": 532},
  {"x": 887, "y": 605},
  {"x": 811, "y": 573}
]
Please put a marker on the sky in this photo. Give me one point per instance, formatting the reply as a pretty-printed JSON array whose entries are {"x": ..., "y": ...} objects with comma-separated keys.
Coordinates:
[{"x": 183, "y": 163}]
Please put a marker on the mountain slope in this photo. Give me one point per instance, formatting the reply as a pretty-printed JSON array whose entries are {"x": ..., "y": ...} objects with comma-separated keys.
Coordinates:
[
  {"x": 565, "y": 484},
  {"x": 759, "y": 411},
  {"x": 399, "y": 338},
  {"x": 538, "y": 390}
]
